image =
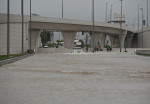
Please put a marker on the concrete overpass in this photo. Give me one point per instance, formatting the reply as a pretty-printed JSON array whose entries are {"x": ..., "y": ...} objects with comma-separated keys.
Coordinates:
[{"x": 69, "y": 29}]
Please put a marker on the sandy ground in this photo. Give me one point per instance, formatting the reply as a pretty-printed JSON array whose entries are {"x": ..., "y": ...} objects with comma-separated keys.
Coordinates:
[{"x": 99, "y": 78}]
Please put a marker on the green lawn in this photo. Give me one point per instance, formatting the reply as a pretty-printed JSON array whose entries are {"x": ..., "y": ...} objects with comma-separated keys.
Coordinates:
[{"x": 3, "y": 57}]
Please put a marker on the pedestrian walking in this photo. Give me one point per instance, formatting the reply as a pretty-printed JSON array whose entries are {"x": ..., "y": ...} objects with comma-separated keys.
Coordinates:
[{"x": 110, "y": 49}]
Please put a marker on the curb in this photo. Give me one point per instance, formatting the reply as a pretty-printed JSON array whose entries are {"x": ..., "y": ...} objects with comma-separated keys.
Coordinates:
[
  {"x": 143, "y": 52},
  {"x": 11, "y": 60}
]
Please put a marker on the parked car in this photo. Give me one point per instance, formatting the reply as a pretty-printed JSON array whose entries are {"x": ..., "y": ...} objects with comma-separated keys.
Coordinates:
[
  {"x": 77, "y": 49},
  {"x": 45, "y": 46}
]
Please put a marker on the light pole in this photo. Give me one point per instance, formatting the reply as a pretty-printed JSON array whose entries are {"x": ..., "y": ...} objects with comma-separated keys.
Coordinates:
[
  {"x": 106, "y": 13},
  {"x": 121, "y": 24},
  {"x": 138, "y": 15},
  {"x": 142, "y": 25},
  {"x": 147, "y": 13},
  {"x": 8, "y": 28},
  {"x": 62, "y": 13},
  {"x": 111, "y": 13},
  {"x": 86, "y": 43},
  {"x": 30, "y": 27},
  {"x": 125, "y": 45},
  {"x": 93, "y": 24},
  {"x": 22, "y": 12},
  {"x": 45, "y": 37},
  {"x": 62, "y": 8}
]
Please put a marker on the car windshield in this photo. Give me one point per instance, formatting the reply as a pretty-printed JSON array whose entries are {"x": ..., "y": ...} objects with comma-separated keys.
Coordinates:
[{"x": 77, "y": 48}]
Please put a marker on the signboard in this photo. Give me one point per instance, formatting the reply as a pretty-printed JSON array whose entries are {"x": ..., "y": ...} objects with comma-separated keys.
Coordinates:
[{"x": 117, "y": 18}]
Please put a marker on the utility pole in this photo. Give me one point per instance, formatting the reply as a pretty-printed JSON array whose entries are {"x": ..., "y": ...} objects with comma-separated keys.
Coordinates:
[
  {"x": 22, "y": 12},
  {"x": 8, "y": 29}
]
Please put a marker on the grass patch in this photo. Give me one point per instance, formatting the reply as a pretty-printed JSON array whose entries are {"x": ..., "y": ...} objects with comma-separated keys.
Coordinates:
[{"x": 4, "y": 57}]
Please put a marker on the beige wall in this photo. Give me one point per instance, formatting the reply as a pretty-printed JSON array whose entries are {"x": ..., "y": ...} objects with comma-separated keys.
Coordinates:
[
  {"x": 146, "y": 38},
  {"x": 15, "y": 38}
]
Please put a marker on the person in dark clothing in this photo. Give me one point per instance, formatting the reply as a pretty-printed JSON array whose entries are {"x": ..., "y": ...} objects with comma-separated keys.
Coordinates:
[
  {"x": 107, "y": 49},
  {"x": 110, "y": 49}
]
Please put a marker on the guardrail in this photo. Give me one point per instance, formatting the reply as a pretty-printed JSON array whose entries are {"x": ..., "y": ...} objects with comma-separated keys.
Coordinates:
[
  {"x": 143, "y": 52},
  {"x": 11, "y": 60}
]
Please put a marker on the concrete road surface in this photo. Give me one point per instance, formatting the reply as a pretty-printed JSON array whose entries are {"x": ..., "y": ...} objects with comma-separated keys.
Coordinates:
[{"x": 76, "y": 79}]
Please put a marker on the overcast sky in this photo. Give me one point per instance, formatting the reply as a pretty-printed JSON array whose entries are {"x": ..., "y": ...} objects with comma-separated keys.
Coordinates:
[{"x": 79, "y": 9}]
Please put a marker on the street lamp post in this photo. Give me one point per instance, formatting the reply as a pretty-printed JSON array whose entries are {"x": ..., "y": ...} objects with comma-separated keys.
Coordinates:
[
  {"x": 142, "y": 25},
  {"x": 22, "y": 12},
  {"x": 147, "y": 13},
  {"x": 86, "y": 42},
  {"x": 138, "y": 15},
  {"x": 30, "y": 27},
  {"x": 62, "y": 8},
  {"x": 93, "y": 24},
  {"x": 8, "y": 29},
  {"x": 121, "y": 24},
  {"x": 125, "y": 45},
  {"x": 106, "y": 13},
  {"x": 62, "y": 14},
  {"x": 111, "y": 13},
  {"x": 45, "y": 37}
]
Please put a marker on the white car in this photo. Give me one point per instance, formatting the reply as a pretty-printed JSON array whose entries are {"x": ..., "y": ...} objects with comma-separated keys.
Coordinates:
[
  {"x": 45, "y": 46},
  {"x": 77, "y": 49}
]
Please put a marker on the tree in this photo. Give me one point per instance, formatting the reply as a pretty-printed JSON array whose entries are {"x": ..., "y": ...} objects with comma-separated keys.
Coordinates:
[
  {"x": 82, "y": 43},
  {"x": 46, "y": 36},
  {"x": 42, "y": 37}
]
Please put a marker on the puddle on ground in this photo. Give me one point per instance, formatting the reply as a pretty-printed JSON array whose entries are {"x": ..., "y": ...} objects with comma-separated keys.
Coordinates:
[
  {"x": 140, "y": 74},
  {"x": 54, "y": 71}
]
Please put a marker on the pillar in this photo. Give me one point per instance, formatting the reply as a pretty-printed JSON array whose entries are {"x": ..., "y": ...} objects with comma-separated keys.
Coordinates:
[
  {"x": 97, "y": 39},
  {"x": 69, "y": 37},
  {"x": 103, "y": 38},
  {"x": 35, "y": 36},
  {"x": 122, "y": 39},
  {"x": 111, "y": 39},
  {"x": 129, "y": 40}
]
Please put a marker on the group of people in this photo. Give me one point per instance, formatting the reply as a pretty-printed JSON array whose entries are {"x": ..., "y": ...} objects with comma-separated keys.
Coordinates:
[{"x": 109, "y": 49}]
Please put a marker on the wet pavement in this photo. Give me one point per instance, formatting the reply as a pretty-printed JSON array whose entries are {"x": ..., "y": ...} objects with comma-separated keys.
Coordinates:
[{"x": 76, "y": 79}]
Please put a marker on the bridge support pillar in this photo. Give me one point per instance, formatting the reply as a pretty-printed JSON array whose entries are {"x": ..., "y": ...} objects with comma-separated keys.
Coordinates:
[
  {"x": 69, "y": 37},
  {"x": 103, "y": 41},
  {"x": 122, "y": 39},
  {"x": 111, "y": 40},
  {"x": 129, "y": 40},
  {"x": 35, "y": 36},
  {"x": 97, "y": 39}
]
